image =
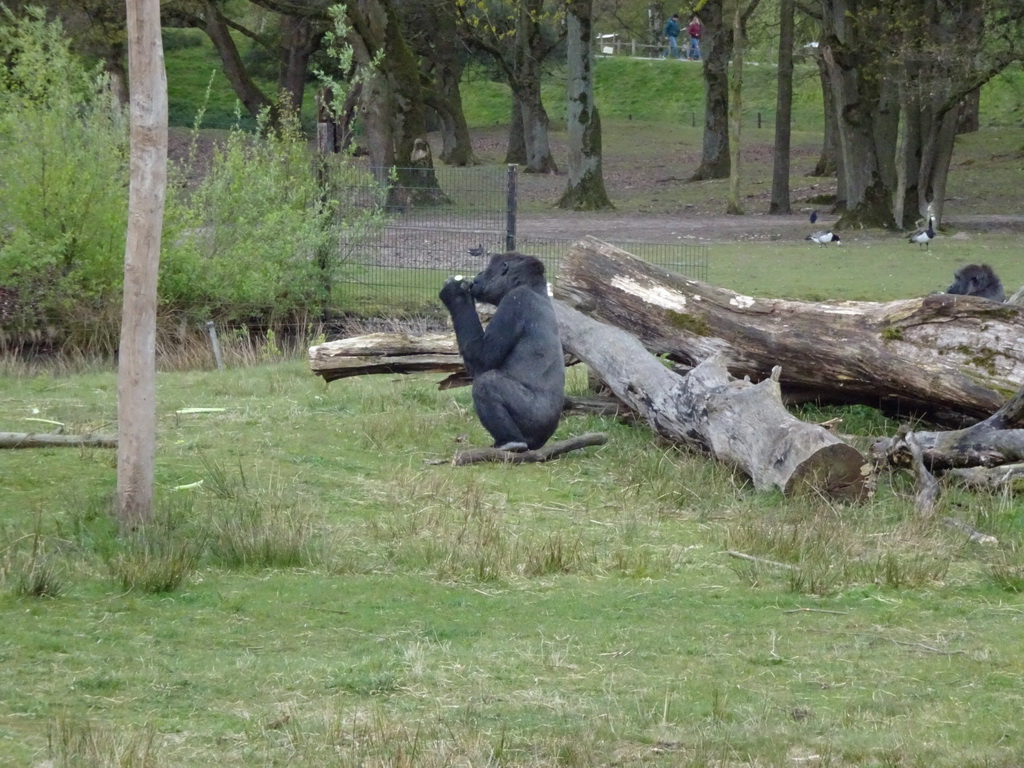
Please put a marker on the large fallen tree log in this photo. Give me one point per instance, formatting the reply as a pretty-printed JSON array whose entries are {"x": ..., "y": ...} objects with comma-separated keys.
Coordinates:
[
  {"x": 743, "y": 424},
  {"x": 954, "y": 359},
  {"x": 736, "y": 422}
]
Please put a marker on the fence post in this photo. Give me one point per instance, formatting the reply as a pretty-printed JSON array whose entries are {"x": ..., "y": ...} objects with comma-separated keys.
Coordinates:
[
  {"x": 510, "y": 208},
  {"x": 212, "y": 330}
]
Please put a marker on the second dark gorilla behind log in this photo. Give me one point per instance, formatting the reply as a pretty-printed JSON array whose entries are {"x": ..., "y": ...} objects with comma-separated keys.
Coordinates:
[
  {"x": 977, "y": 280},
  {"x": 517, "y": 364}
]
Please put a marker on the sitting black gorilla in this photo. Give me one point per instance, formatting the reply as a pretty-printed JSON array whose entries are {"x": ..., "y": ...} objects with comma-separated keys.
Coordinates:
[
  {"x": 977, "y": 280},
  {"x": 517, "y": 365}
]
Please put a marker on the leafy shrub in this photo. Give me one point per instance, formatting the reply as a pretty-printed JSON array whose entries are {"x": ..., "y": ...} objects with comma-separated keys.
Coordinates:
[
  {"x": 256, "y": 239},
  {"x": 253, "y": 238},
  {"x": 63, "y": 180}
]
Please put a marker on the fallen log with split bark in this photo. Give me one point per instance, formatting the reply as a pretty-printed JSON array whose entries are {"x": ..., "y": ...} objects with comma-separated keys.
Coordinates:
[
  {"x": 386, "y": 353},
  {"x": 953, "y": 359},
  {"x": 742, "y": 424}
]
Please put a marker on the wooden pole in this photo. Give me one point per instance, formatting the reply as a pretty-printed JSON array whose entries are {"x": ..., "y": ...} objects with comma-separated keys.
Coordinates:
[{"x": 136, "y": 382}]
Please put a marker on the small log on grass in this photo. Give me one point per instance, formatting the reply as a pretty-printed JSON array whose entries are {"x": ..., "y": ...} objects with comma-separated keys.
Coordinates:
[
  {"x": 43, "y": 440},
  {"x": 547, "y": 453},
  {"x": 987, "y": 477},
  {"x": 990, "y": 443},
  {"x": 386, "y": 353},
  {"x": 743, "y": 424},
  {"x": 954, "y": 358}
]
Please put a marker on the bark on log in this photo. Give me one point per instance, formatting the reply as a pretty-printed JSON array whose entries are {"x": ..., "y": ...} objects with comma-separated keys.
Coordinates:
[
  {"x": 44, "y": 440},
  {"x": 737, "y": 422},
  {"x": 952, "y": 358},
  {"x": 386, "y": 353}
]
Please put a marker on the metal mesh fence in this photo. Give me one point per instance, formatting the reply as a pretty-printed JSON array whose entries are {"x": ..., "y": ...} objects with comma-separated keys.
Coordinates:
[{"x": 443, "y": 228}]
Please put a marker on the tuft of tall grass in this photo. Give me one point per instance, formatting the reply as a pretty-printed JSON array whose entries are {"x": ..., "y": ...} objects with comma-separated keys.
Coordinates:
[
  {"x": 256, "y": 532},
  {"x": 820, "y": 551},
  {"x": 35, "y": 573},
  {"x": 255, "y": 528},
  {"x": 84, "y": 744},
  {"x": 161, "y": 556}
]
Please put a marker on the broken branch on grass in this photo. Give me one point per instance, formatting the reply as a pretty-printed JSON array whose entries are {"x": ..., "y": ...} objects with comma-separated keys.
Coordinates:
[
  {"x": 44, "y": 440},
  {"x": 761, "y": 560},
  {"x": 548, "y": 452}
]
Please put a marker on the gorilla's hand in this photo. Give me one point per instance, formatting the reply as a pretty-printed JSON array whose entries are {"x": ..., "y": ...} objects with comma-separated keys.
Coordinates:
[{"x": 455, "y": 291}]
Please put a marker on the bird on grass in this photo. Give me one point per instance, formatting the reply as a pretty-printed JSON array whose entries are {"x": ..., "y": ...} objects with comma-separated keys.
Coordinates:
[
  {"x": 924, "y": 236},
  {"x": 822, "y": 236}
]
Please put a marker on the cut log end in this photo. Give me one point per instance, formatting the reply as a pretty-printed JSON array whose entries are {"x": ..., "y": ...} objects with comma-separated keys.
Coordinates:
[{"x": 838, "y": 472}]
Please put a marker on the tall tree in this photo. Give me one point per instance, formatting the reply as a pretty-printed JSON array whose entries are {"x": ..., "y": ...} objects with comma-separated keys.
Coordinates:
[
  {"x": 783, "y": 111},
  {"x": 293, "y": 35},
  {"x": 585, "y": 191},
  {"x": 519, "y": 35},
  {"x": 864, "y": 89},
  {"x": 827, "y": 164},
  {"x": 392, "y": 106},
  {"x": 430, "y": 26},
  {"x": 716, "y": 48},
  {"x": 899, "y": 71},
  {"x": 136, "y": 371}
]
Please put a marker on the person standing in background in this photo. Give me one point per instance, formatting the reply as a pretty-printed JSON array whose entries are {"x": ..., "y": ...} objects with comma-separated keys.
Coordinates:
[
  {"x": 672, "y": 30},
  {"x": 693, "y": 52}
]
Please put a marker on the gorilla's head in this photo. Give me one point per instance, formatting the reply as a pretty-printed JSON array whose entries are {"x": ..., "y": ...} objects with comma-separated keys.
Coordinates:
[{"x": 505, "y": 272}]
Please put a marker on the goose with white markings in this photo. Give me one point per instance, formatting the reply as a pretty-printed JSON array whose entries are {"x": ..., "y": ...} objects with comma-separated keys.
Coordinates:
[
  {"x": 925, "y": 236},
  {"x": 822, "y": 236}
]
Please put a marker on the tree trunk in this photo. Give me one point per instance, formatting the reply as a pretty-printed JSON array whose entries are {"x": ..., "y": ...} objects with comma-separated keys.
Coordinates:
[
  {"x": 968, "y": 118},
  {"x": 742, "y": 424},
  {"x": 826, "y": 165},
  {"x": 526, "y": 88},
  {"x": 861, "y": 83},
  {"x": 302, "y": 38},
  {"x": 136, "y": 371},
  {"x": 733, "y": 205},
  {"x": 585, "y": 190},
  {"x": 432, "y": 32},
  {"x": 950, "y": 358},
  {"x": 515, "y": 152},
  {"x": 216, "y": 27},
  {"x": 393, "y": 109},
  {"x": 783, "y": 112},
  {"x": 716, "y": 47}
]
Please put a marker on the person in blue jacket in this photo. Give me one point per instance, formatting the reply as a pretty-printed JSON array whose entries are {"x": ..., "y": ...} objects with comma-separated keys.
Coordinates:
[{"x": 672, "y": 33}]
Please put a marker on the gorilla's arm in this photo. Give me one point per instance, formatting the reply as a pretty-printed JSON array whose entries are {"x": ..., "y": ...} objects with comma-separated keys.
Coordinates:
[{"x": 486, "y": 350}]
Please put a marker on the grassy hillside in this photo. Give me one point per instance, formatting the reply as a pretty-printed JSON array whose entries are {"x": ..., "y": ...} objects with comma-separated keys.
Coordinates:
[{"x": 649, "y": 90}]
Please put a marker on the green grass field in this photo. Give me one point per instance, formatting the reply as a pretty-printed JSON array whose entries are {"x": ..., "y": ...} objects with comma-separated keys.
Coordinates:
[
  {"x": 315, "y": 593},
  {"x": 389, "y": 612}
]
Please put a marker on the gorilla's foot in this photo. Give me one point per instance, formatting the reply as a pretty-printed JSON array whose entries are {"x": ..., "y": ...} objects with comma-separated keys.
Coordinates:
[{"x": 513, "y": 447}]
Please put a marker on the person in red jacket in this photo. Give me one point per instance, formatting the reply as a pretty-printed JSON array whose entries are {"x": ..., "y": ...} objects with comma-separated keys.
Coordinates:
[{"x": 693, "y": 52}]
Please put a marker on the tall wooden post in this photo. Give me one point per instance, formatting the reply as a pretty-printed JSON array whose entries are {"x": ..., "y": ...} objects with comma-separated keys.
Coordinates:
[{"x": 136, "y": 381}]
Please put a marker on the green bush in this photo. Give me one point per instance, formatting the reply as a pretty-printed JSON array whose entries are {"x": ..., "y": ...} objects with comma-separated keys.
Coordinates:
[
  {"x": 63, "y": 180},
  {"x": 255, "y": 238}
]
